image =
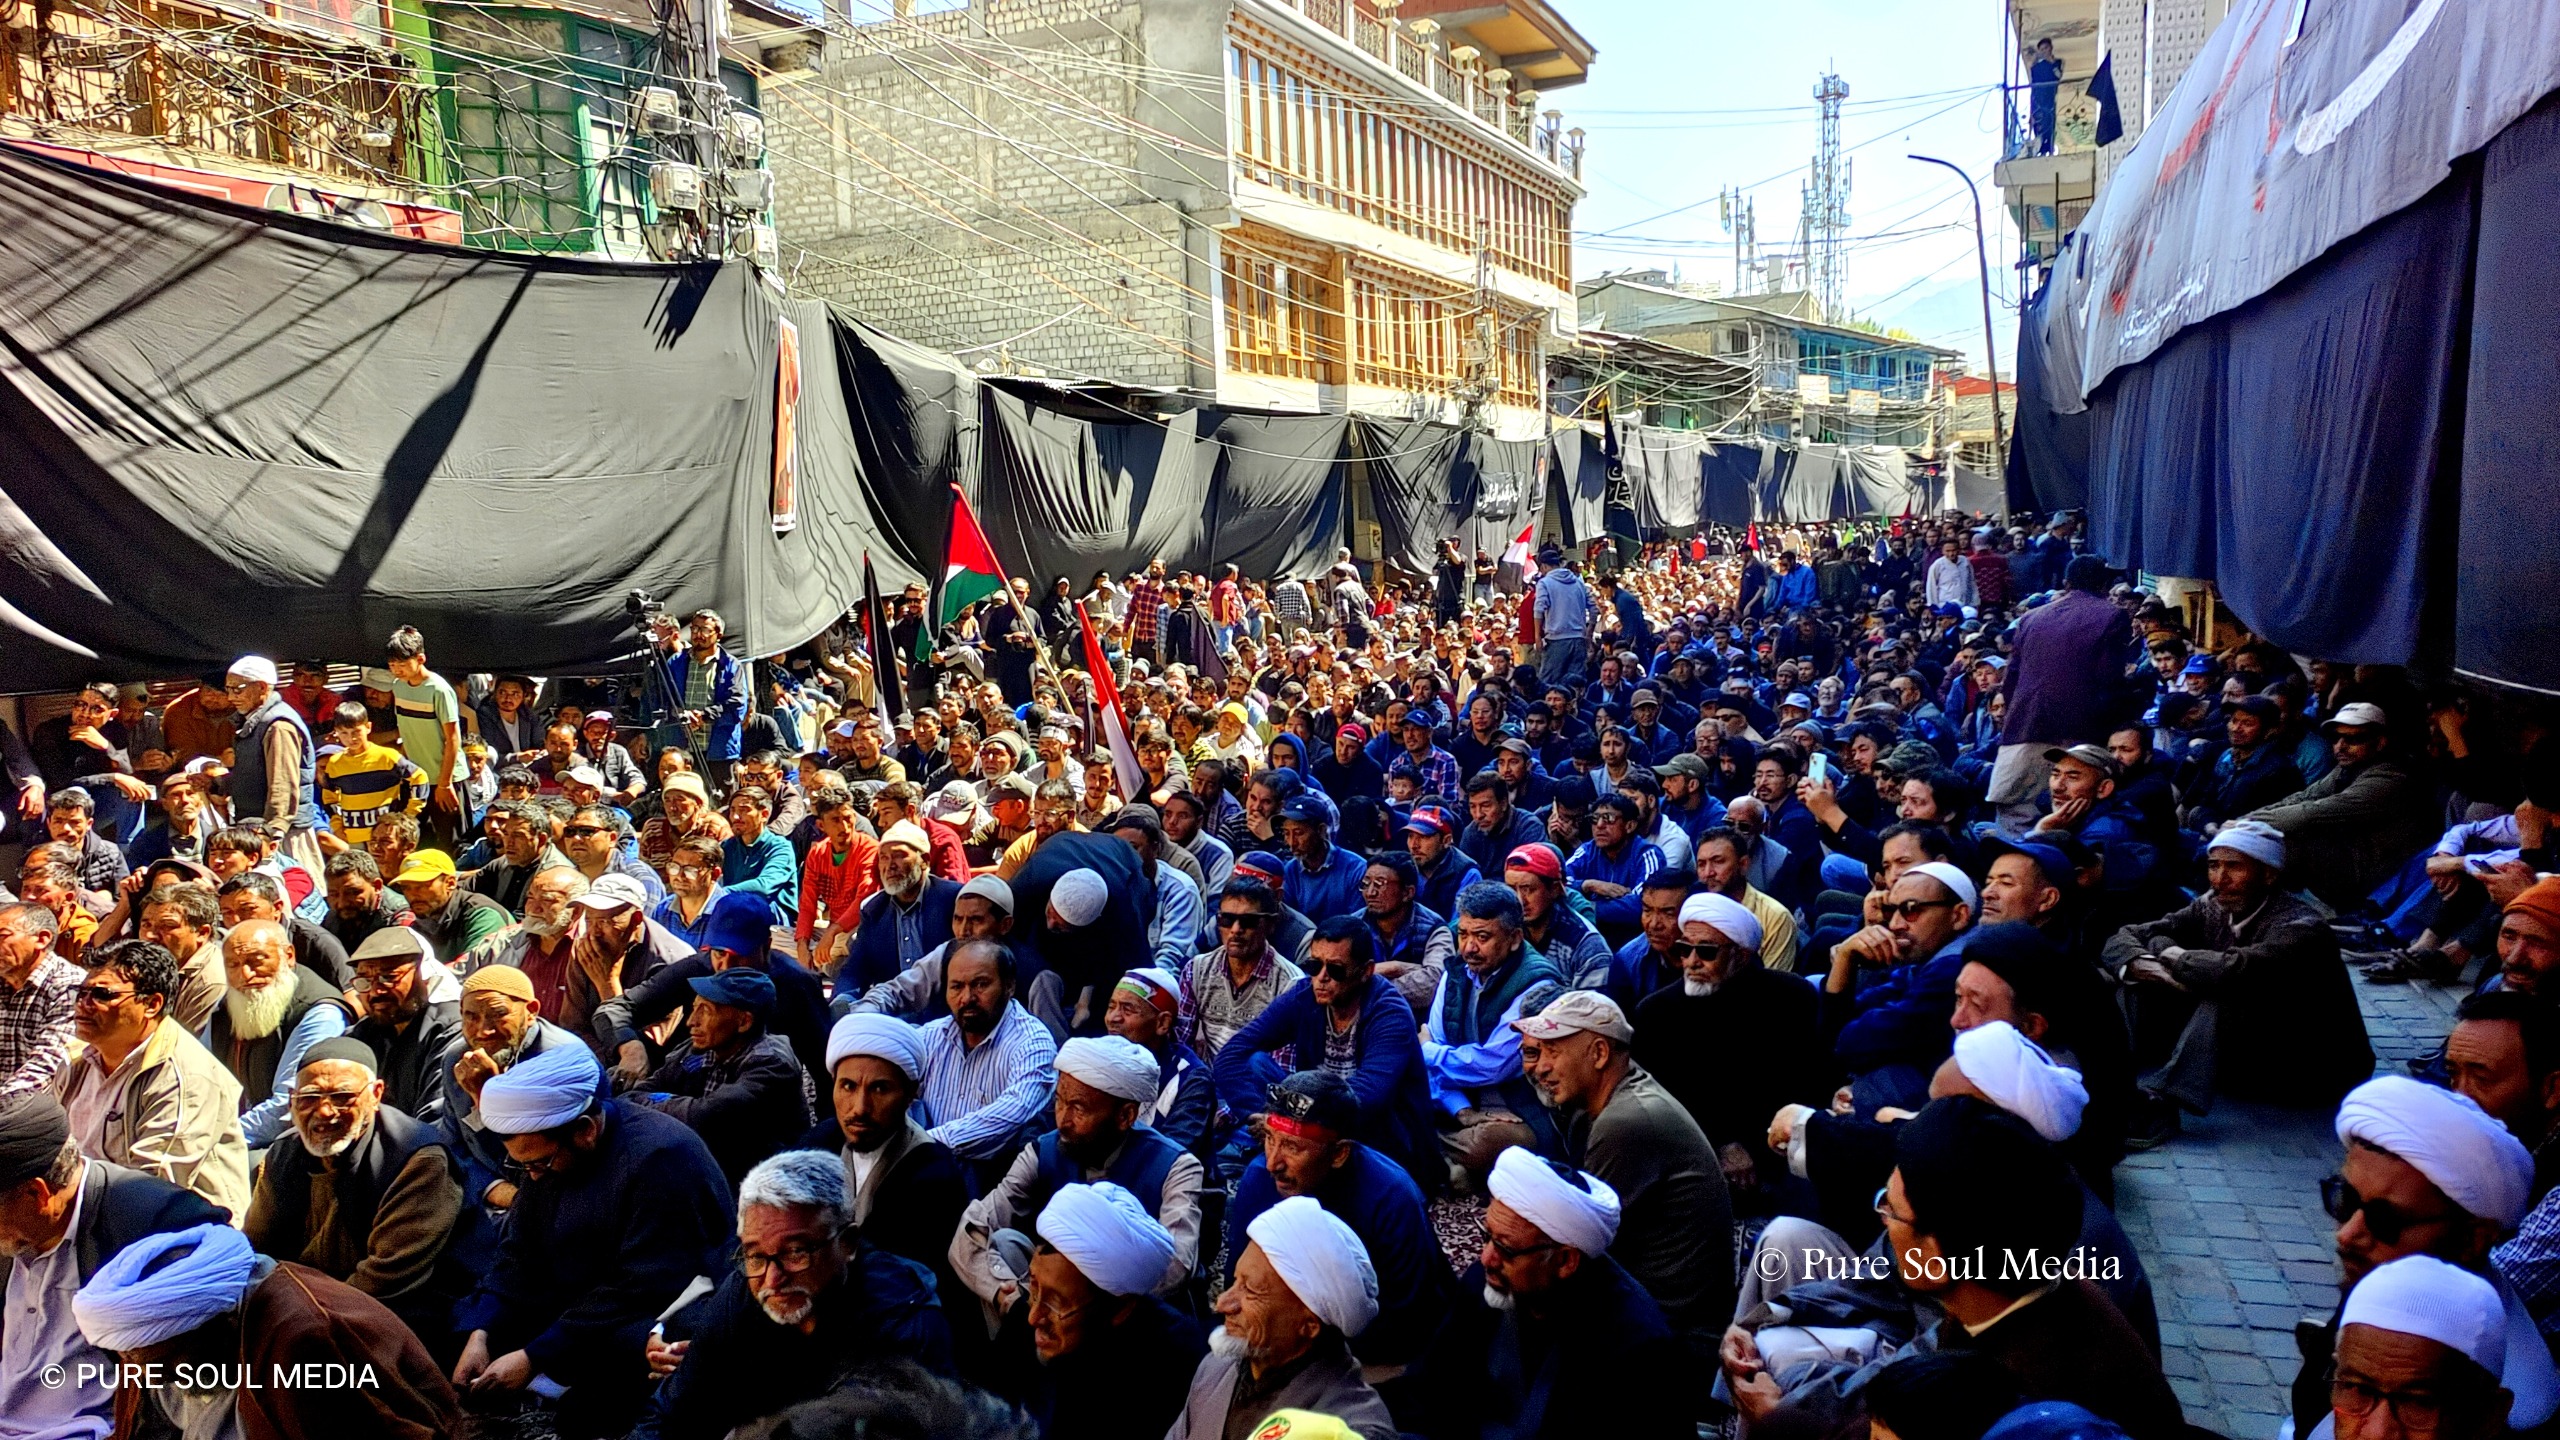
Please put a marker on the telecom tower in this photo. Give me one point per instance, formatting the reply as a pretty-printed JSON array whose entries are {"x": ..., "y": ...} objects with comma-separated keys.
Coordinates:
[
  {"x": 1826, "y": 216},
  {"x": 1742, "y": 222}
]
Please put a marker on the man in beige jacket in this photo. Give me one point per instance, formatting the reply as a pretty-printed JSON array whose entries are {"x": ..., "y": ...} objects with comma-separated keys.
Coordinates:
[{"x": 141, "y": 1092}]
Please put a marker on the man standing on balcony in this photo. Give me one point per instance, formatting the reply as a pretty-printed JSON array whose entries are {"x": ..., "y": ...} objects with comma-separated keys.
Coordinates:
[{"x": 2044, "y": 83}]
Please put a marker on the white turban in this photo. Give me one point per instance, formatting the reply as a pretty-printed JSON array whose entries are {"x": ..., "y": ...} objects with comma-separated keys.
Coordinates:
[
  {"x": 2449, "y": 1138},
  {"x": 1729, "y": 918},
  {"x": 1106, "y": 1234},
  {"x": 2255, "y": 839},
  {"x": 1321, "y": 1260},
  {"x": 2423, "y": 1296},
  {"x": 1123, "y": 1069},
  {"x": 1958, "y": 884},
  {"x": 549, "y": 1090},
  {"x": 1583, "y": 1215},
  {"x": 257, "y": 669},
  {"x": 884, "y": 1037},
  {"x": 1079, "y": 896},
  {"x": 2014, "y": 1073},
  {"x": 122, "y": 1308}
]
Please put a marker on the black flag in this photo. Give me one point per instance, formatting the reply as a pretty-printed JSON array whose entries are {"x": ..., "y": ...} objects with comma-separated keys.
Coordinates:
[
  {"x": 890, "y": 696},
  {"x": 2102, "y": 89}
]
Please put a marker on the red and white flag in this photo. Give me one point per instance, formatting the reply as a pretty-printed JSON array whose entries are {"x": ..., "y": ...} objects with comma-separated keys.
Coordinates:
[
  {"x": 1113, "y": 720},
  {"x": 1511, "y": 573}
]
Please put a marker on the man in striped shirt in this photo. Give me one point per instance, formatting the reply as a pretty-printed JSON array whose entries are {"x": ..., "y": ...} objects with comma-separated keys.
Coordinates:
[
  {"x": 988, "y": 1065},
  {"x": 1146, "y": 612}
]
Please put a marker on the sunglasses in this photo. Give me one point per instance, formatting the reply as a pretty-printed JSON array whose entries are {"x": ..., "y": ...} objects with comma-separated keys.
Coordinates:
[
  {"x": 99, "y": 995},
  {"x": 581, "y": 832},
  {"x": 2386, "y": 1221},
  {"x": 1691, "y": 950},
  {"x": 1226, "y": 919},
  {"x": 1913, "y": 909},
  {"x": 1341, "y": 973}
]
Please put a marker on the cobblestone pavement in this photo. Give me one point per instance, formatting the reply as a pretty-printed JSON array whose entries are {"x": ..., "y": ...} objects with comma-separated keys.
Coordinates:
[{"x": 2227, "y": 1220}]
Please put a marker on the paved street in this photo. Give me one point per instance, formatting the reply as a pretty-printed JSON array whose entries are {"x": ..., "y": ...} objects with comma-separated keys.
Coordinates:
[{"x": 2227, "y": 1219}]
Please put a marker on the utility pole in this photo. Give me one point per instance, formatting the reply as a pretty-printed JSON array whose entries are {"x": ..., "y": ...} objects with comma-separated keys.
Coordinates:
[
  {"x": 1742, "y": 221},
  {"x": 1827, "y": 201},
  {"x": 705, "y": 185},
  {"x": 1990, "y": 344}
]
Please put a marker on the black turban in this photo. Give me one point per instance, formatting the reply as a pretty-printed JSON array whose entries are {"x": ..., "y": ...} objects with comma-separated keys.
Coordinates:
[{"x": 32, "y": 1131}]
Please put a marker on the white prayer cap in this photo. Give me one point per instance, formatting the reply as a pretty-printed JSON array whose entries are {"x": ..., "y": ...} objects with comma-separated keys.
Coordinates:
[
  {"x": 2423, "y": 1296},
  {"x": 909, "y": 834},
  {"x": 2014, "y": 1073},
  {"x": 1728, "y": 918},
  {"x": 1108, "y": 1236},
  {"x": 1581, "y": 1212},
  {"x": 2255, "y": 839},
  {"x": 257, "y": 668},
  {"x": 990, "y": 888},
  {"x": 1322, "y": 1261},
  {"x": 884, "y": 1037},
  {"x": 1079, "y": 896},
  {"x": 542, "y": 1093},
  {"x": 1122, "y": 1069},
  {"x": 2449, "y": 1138},
  {"x": 129, "y": 1304},
  {"x": 1957, "y": 882}
]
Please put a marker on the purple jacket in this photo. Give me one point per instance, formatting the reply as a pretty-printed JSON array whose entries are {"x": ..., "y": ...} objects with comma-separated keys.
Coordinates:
[{"x": 2066, "y": 672}]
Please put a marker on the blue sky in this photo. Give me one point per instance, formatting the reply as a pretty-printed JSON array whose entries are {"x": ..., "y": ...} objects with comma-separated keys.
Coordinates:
[{"x": 1688, "y": 96}]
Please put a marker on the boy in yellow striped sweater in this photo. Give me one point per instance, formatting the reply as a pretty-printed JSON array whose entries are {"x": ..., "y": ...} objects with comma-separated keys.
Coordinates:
[{"x": 364, "y": 781}]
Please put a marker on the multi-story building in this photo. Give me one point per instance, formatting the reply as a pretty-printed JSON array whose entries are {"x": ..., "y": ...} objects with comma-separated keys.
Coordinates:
[
  {"x": 1813, "y": 380},
  {"x": 1336, "y": 205},
  {"x": 2146, "y": 44},
  {"x": 312, "y": 106}
]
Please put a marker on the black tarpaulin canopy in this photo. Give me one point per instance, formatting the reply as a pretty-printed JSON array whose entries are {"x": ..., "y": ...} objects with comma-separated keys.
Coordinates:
[{"x": 234, "y": 429}]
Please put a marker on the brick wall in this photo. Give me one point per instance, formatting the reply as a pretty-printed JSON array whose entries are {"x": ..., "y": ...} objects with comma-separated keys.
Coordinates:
[{"x": 895, "y": 200}]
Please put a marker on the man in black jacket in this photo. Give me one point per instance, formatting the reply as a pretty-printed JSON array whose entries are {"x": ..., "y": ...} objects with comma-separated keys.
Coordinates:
[
  {"x": 737, "y": 1084},
  {"x": 62, "y": 1216}
]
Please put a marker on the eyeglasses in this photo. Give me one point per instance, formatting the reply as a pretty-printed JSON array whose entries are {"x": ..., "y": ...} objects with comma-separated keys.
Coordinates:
[
  {"x": 1341, "y": 973},
  {"x": 2419, "y": 1412},
  {"x": 2386, "y": 1221},
  {"x": 1913, "y": 909},
  {"x": 794, "y": 1257},
  {"x": 688, "y": 869},
  {"x": 99, "y": 995},
  {"x": 1692, "y": 950},
  {"x": 1228, "y": 918},
  {"x": 376, "y": 979},
  {"x": 1884, "y": 1207},
  {"x": 581, "y": 832},
  {"x": 1509, "y": 1253}
]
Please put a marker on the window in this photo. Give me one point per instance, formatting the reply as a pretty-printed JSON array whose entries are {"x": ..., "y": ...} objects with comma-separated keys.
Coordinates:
[{"x": 1281, "y": 313}]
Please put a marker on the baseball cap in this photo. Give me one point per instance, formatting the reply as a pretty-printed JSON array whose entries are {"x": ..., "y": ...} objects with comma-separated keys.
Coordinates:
[
  {"x": 1306, "y": 808},
  {"x": 1798, "y": 699},
  {"x": 2057, "y": 866},
  {"x": 1537, "y": 860},
  {"x": 2361, "y": 715},
  {"x": 1429, "y": 820},
  {"x": 1517, "y": 746},
  {"x": 738, "y": 987},
  {"x": 1686, "y": 763},
  {"x": 1013, "y": 785},
  {"x": 424, "y": 865},
  {"x": 595, "y": 718},
  {"x": 374, "y": 677},
  {"x": 586, "y": 775},
  {"x": 1577, "y": 1011},
  {"x": 2096, "y": 757},
  {"x": 611, "y": 892},
  {"x": 1643, "y": 697}
]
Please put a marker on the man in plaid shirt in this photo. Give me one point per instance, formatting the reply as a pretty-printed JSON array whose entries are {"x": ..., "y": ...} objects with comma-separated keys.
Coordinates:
[
  {"x": 1437, "y": 767},
  {"x": 1146, "y": 612},
  {"x": 35, "y": 999}
]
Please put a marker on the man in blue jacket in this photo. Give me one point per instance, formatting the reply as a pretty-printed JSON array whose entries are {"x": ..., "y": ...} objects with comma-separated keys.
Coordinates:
[
  {"x": 1352, "y": 1022},
  {"x": 1441, "y": 865},
  {"x": 1891, "y": 1034},
  {"x": 710, "y": 695},
  {"x": 1321, "y": 879},
  {"x": 1610, "y": 867},
  {"x": 1470, "y": 1053},
  {"x": 1307, "y": 1149}
]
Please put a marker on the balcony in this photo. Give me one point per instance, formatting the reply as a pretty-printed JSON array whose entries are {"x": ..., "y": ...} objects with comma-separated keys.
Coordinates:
[{"x": 1422, "y": 49}]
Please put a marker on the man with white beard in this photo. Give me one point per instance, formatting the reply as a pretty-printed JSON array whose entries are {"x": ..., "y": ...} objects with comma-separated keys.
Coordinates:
[
  {"x": 273, "y": 1012},
  {"x": 363, "y": 1193},
  {"x": 1733, "y": 1041},
  {"x": 1304, "y": 1289},
  {"x": 806, "y": 1301}
]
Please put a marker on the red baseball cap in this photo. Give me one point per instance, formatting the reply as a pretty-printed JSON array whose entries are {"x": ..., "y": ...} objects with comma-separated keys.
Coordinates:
[{"x": 1537, "y": 860}]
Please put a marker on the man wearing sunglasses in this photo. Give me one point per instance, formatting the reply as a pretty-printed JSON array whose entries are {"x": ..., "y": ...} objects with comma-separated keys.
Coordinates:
[
  {"x": 1890, "y": 1033},
  {"x": 2426, "y": 1172}
]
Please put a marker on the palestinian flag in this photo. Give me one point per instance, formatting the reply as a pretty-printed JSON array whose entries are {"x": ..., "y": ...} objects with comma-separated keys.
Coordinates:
[
  {"x": 1112, "y": 721},
  {"x": 969, "y": 569},
  {"x": 1511, "y": 573}
]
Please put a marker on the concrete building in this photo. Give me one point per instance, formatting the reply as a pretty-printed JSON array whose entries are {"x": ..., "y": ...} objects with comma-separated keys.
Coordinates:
[
  {"x": 2151, "y": 42},
  {"x": 1814, "y": 381},
  {"x": 1312, "y": 204}
]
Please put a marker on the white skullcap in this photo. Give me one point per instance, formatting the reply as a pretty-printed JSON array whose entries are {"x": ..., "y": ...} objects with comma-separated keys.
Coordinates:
[
  {"x": 1321, "y": 1260},
  {"x": 542, "y": 1093},
  {"x": 884, "y": 1037},
  {"x": 990, "y": 888},
  {"x": 2255, "y": 839},
  {"x": 2014, "y": 1073},
  {"x": 1729, "y": 918},
  {"x": 1152, "y": 977},
  {"x": 1079, "y": 896},
  {"x": 1122, "y": 1069},
  {"x": 1583, "y": 1215},
  {"x": 1957, "y": 882},
  {"x": 2449, "y": 1138},
  {"x": 909, "y": 834},
  {"x": 2423, "y": 1296},
  {"x": 124, "y": 1308},
  {"x": 1108, "y": 1236},
  {"x": 253, "y": 667}
]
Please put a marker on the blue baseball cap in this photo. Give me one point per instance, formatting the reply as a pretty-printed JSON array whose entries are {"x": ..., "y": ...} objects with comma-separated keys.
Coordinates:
[{"x": 748, "y": 990}]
